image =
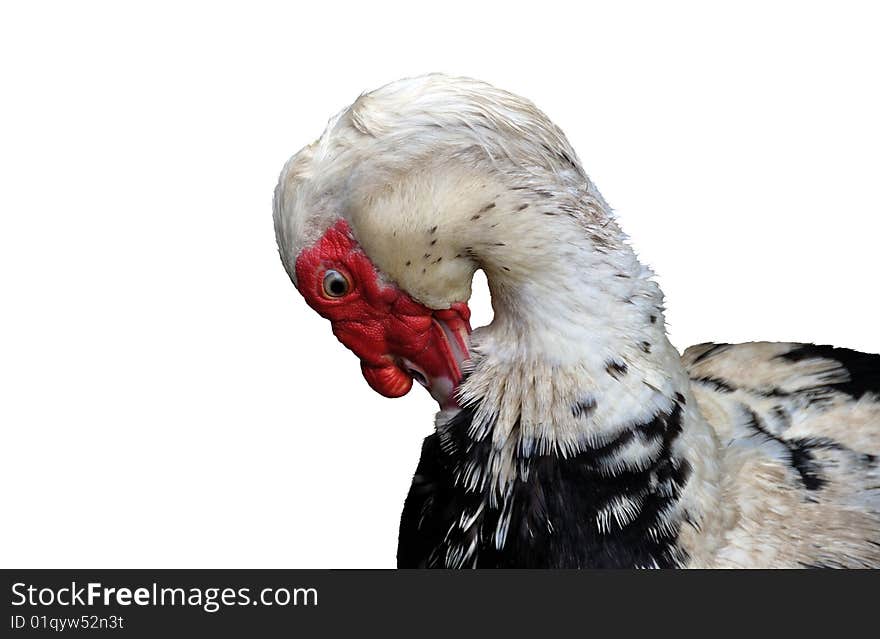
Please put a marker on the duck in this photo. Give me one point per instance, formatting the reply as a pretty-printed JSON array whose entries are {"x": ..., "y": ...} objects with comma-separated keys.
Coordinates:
[{"x": 570, "y": 432}]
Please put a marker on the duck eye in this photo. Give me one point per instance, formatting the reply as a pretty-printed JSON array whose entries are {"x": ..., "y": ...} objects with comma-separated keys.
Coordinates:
[{"x": 335, "y": 284}]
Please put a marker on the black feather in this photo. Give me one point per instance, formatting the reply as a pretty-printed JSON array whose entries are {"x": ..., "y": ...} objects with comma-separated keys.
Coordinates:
[
  {"x": 863, "y": 368},
  {"x": 552, "y": 507}
]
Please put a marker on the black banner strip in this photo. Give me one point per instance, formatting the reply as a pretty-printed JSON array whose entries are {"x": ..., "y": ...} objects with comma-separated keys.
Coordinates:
[{"x": 315, "y": 603}]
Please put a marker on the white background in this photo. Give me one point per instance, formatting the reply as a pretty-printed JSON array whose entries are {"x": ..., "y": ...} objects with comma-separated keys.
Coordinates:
[{"x": 166, "y": 397}]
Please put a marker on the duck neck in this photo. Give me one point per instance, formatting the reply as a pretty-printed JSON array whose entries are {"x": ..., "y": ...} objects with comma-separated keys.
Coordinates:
[{"x": 577, "y": 350}]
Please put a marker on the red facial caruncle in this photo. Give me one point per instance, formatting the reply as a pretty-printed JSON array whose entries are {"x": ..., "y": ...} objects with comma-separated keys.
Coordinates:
[{"x": 396, "y": 338}]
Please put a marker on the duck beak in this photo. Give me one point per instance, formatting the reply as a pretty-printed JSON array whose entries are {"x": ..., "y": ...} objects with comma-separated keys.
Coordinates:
[{"x": 439, "y": 367}]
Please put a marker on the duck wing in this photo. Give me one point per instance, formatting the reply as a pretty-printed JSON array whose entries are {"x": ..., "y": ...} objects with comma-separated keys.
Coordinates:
[
  {"x": 800, "y": 430},
  {"x": 797, "y": 390}
]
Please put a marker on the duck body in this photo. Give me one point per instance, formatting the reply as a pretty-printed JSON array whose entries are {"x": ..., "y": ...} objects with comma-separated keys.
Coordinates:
[
  {"x": 571, "y": 433},
  {"x": 798, "y": 435}
]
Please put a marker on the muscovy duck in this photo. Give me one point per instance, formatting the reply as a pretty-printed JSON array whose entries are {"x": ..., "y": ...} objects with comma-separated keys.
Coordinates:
[{"x": 571, "y": 433}]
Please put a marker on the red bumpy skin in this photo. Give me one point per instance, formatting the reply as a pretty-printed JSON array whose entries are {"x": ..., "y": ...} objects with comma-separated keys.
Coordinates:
[{"x": 394, "y": 336}]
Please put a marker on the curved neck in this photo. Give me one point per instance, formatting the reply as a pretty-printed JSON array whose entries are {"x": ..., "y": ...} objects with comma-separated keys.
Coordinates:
[{"x": 578, "y": 322}]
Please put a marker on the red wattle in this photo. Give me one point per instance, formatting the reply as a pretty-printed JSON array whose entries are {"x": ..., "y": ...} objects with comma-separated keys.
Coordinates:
[{"x": 388, "y": 380}]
